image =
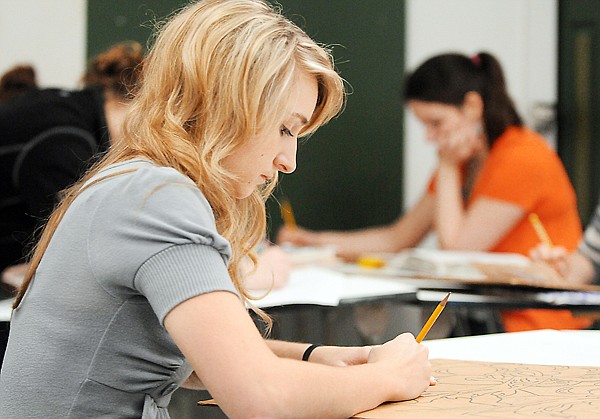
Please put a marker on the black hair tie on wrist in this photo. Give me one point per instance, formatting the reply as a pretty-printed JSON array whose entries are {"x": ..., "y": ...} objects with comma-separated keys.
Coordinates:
[{"x": 309, "y": 351}]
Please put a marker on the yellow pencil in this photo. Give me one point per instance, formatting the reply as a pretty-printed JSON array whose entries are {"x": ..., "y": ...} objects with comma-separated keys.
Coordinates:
[
  {"x": 539, "y": 229},
  {"x": 436, "y": 313},
  {"x": 287, "y": 214}
]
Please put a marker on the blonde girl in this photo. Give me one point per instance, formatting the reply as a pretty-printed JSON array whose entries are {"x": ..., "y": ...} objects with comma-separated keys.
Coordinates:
[{"x": 135, "y": 287}]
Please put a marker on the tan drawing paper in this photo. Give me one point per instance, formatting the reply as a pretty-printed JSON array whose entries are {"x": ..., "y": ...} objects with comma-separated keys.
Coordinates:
[{"x": 470, "y": 389}]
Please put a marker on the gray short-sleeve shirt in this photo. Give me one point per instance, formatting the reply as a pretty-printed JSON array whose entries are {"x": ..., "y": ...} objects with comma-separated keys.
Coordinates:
[{"x": 88, "y": 339}]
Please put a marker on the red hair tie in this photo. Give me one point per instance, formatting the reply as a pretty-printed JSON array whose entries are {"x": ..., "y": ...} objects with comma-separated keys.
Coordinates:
[{"x": 476, "y": 60}]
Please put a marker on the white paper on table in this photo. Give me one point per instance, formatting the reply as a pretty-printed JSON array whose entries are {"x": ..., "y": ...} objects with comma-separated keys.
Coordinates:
[
  {"x": 310, "y": 285},
  {"x": 6, "y": 309},
  {"x": 357, "y": 287},
  {"x": 544, "y": 347},
  {"x": 462, "y": 256}
]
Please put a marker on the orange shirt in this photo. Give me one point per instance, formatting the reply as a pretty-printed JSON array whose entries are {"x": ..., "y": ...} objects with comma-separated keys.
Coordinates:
[{"x": 523, "y": 170}]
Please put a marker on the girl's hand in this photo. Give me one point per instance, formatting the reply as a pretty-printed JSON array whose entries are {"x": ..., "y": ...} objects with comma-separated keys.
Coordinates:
[
  {"x": 406, "y": 363},
  {"x": 555, "y": 256},
  {"x": 297, "y": 236},
  {"x": 272, "y": 269}
]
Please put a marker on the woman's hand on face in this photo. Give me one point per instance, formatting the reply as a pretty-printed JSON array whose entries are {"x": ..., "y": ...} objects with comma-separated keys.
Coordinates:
[
  {"x": 460, "y": 145},
  {"x": 407, "y": 363}
]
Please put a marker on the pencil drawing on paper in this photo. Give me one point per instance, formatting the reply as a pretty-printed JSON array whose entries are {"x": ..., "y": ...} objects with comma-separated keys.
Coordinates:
[{"x": 470, "y": 389}]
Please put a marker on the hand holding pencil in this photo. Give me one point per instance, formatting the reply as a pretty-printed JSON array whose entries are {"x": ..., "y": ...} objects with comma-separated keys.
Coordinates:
[
  {"x": 403, "y": 366},
  {"x": 546, "y": 252},
  {"x": 554, "y": 256}
]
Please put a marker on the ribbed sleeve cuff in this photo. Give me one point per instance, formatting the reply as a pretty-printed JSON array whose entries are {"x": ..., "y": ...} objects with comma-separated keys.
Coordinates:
[{"x": 179, "y": 273}]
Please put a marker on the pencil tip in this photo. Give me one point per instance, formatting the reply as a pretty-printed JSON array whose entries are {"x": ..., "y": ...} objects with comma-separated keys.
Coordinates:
[{"x": 445, "y": 300}]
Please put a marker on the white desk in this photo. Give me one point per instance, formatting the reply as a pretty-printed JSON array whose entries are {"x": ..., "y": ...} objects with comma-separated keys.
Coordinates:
[{"x": 545, "y": 347}]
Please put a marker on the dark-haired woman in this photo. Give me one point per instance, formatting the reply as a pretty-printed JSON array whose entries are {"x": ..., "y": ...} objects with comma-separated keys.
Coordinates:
[
  {"x": 492, "y": 173},
  {"x": 48, "y": 137}
]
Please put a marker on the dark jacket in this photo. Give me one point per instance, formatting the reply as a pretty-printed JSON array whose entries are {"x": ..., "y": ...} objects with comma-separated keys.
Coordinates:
[{"x": 48, "y": 138}]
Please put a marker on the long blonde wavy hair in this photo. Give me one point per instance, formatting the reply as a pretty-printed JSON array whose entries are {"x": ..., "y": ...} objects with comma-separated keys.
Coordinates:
[{"x": 219, "y": 72}]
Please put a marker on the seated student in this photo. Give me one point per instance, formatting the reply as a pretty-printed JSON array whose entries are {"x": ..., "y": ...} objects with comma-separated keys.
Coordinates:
[
  {"x": 48, "y": 138},
  {"x": 581, "y": 266},
  {"x": 17, "y": 80},
  {"x": 136, "y": 285},
  {"x": 492, "y": 172}
]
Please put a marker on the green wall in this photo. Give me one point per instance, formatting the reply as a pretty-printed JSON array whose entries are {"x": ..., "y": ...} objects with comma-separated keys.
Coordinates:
[
  {"x": 349, "y": 173},
  {"x": 113, "y": 21},
  {"x": 579, "y": 99}
]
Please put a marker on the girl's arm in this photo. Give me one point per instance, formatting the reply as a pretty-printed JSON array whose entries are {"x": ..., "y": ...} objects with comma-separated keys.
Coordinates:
[
  {"x": 574, "y": 267},
  {"x": 327, "y": 355},
  {"x": 479, "y": 228},
  {"x": 406, "y": 231},
  {"x": 247, "y": 379}
]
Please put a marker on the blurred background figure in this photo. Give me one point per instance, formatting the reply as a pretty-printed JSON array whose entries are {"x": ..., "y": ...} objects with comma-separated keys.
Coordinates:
[
  {"x": 581, "y": 266},
  {"x": 48, "y": 139},
  {"x": 493, "y": 171}
]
